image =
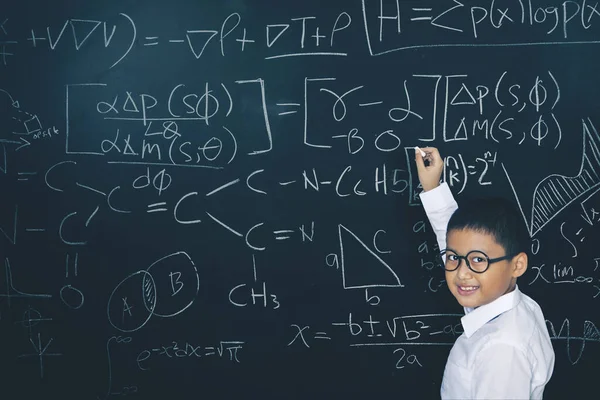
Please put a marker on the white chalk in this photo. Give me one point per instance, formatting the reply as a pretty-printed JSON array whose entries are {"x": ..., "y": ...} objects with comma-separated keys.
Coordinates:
[{"x": 423, "y": 154}]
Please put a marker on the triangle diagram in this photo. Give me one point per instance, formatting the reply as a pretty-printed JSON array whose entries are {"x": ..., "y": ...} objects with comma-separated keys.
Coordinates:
[{"x": 362, "y": 267}]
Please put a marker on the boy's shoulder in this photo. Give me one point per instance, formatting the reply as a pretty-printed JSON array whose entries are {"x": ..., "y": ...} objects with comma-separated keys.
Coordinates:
[{"x": 523, "y": 325}]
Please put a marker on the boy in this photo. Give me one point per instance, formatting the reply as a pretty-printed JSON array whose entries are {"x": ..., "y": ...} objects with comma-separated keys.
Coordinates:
[{"x": 505, "y": 351}]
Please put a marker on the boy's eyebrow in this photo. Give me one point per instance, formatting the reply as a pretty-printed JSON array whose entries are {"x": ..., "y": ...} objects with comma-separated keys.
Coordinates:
[{"x": 479, "y": 250}]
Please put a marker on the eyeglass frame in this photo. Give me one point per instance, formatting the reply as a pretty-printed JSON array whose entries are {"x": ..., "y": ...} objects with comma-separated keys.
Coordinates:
[{"x": 490, "y": 261}]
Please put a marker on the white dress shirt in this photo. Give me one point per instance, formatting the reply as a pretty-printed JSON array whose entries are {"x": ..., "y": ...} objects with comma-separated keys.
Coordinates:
[{"x": 505, "y": 351}]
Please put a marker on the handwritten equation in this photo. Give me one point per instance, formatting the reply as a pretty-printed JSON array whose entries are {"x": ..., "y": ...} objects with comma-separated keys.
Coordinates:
[
  {"x": 159, "y": 128},
  {"x": 386, "y": 27}
]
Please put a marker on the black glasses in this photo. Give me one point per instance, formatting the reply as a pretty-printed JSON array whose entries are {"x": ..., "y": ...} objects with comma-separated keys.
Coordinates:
[{"x": 476, "y": 260}]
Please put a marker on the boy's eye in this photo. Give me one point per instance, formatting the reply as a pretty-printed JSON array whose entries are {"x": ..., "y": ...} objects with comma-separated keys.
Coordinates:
[
  {"x": 477, "y": 260},
  {"x": 452, "y": 257}
]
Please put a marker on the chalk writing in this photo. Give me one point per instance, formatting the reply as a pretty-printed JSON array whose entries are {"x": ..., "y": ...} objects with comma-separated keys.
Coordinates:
[
  {"x": 225, "y": 349},
  {"x": 230, "y": 189}
]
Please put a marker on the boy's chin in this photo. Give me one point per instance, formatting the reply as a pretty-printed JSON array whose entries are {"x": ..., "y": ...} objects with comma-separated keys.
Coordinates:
[{"x": 467, "y": 302}]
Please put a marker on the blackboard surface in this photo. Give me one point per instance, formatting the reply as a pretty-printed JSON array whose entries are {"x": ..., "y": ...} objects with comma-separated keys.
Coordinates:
[{"x": 205, "y": 199}]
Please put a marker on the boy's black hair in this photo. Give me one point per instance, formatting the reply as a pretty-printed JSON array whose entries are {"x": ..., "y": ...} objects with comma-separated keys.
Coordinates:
[{"x": 498, "y": 217}]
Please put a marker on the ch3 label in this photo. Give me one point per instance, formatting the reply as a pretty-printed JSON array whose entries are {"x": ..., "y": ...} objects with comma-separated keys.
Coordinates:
[{"x": 242, "y": 295}]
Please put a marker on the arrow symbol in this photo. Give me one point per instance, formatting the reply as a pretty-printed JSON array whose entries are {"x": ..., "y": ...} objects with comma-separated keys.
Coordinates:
[
  {"x": 15, "y": 103},
  {"x": 25, "y": 144}
]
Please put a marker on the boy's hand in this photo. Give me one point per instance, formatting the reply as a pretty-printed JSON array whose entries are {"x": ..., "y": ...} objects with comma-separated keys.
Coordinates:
[{"x": 429, "y": 175}]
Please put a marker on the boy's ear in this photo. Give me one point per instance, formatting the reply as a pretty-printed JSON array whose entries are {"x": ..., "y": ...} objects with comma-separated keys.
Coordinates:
[{"x": 519, "y": 262}]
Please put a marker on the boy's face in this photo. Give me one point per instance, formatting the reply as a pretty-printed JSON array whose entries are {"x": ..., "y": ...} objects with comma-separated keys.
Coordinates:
[{"x": 472, "y": 289}]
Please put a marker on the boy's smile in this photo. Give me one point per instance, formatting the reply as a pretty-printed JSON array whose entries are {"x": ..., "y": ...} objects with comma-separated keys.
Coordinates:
[
  {"x": 473, "y": 289},
  {"x": 467, "y": 290}
]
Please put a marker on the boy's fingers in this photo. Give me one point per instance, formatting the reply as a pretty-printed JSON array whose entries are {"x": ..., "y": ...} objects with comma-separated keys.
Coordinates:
[
  {"x": 432, "y": 152},
  {"x": 419, "y": 160},
  {"x": 435, "y": 154}
]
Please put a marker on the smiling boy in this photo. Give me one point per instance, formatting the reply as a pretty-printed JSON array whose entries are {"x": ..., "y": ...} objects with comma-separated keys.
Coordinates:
[{"x": 505, "y": 350}]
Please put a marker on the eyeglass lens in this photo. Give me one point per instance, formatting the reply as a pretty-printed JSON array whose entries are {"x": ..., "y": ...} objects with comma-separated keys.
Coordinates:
[{"x": 478, "y": 261}]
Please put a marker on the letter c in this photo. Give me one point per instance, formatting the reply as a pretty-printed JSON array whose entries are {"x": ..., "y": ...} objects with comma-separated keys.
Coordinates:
[{"x": 231, "y": 292}]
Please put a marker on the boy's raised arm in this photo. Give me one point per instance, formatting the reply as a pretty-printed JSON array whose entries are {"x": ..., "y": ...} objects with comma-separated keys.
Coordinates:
[{"x": 437, "y": 199}]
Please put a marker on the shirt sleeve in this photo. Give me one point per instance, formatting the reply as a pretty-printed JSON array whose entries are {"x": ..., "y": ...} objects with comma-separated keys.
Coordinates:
[
  {"x": 439, "y": 204},
  {"x": 502, "y": 371}
]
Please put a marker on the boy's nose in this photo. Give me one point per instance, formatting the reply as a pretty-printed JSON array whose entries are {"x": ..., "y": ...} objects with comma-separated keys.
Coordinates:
[{"x": 463, "y": 270}]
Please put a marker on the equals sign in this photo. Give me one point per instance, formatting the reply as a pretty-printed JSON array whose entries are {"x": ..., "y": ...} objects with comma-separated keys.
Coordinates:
[
  {"x": 156, "y": 207},
  {"x": 210, "y": 353},
  {"x": 283, "y": 234},
  {"x": 322, "y": 335},
  {"x": 22, "y": 175},
  {"x": 288, "y": 105},
  {"x": 153, "y": 39},
  {"x": 418, "y": 9}
]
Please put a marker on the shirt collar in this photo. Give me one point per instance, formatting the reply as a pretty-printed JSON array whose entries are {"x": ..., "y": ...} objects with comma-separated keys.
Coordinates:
[{"x": 475, "y": 318}]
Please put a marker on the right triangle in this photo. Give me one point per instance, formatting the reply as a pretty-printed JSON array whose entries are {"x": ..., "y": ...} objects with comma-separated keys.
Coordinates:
[{"x": 361, "y": 266}]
